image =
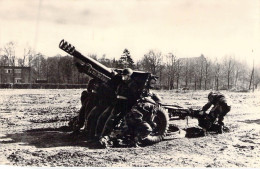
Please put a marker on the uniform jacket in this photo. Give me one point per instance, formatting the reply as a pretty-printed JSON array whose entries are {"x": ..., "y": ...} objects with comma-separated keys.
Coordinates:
[{"x": 217, "y": 99}]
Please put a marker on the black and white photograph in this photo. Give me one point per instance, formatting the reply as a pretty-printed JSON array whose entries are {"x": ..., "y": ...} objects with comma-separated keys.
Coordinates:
[{"x": 132, "y": 83}]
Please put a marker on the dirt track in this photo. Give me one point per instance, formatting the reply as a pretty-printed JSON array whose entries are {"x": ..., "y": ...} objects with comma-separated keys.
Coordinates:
[{"x": 29, "y": 137}]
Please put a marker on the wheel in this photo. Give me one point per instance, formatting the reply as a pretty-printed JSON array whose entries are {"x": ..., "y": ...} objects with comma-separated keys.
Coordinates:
[{"x": 160, "y": 130}]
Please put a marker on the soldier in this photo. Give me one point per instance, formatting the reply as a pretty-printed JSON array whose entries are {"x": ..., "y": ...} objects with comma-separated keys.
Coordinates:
[
  {"x": 105, "y": 94},
  {"x": 139, "y": 127},
  {"x": 126, "y": 97},
  {"x": 218, "y": 112},
  {"x": 88, "y": 101}
]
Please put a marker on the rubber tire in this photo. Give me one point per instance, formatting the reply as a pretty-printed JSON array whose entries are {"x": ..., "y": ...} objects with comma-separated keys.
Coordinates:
[{"x": 162, "y": 120}]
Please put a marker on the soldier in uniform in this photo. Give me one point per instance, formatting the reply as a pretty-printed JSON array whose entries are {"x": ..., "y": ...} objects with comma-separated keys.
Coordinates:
[
  {"x": 88, "y": 101},
  {"x": 217, "y": 113},
  {"x": 105, "y": 94},
  {"x": 126, "y": 97},
  {"x": 139, "y": 127}
]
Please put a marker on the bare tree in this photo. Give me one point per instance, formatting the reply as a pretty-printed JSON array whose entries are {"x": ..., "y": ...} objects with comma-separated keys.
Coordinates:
[
  {"x": 185, "y": 64},
  {"x": 27, "y": 56},
  {"x": 217, "y": 75},
  {"x": 178, "y": 73},
  {"x": 229, "y": 65},
  {"x": 195, "y": 69},
  {"x": 257, "y": 77},
  {"x": 53, "y": 71},
  {"x": 152, "y": 61},
  {"x": 9, "y": 52},
  {"x": 66, "y": 68},
  {"x": 207, "y": 73},
  {"x": 240, "y": 74},
  {"x": 93, "y": 56},
  {"x": 252, "y": 78},
  {"x": 201, "y": 65},
  {"x": 170, "y": 70}
]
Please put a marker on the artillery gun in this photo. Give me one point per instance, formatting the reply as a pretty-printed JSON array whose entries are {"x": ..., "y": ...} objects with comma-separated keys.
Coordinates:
[{"x": 103, "y": 76}]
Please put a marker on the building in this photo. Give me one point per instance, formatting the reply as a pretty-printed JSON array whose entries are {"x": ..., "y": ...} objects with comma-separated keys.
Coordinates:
[
  {"x": 15, "y": 74},
  {"x": 192, "y": 60}
]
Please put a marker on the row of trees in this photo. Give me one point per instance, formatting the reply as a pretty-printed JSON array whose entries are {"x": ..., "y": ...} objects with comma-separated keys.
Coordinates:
[
  {"x": 200, "y": 72},
  {"x": 173, "y": 72}
]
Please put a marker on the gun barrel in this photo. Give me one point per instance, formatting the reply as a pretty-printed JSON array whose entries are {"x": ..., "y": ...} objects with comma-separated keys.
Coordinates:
[{"x": 67, "y": 47}]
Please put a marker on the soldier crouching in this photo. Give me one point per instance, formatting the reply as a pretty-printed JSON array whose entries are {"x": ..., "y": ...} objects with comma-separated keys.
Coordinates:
[
  {"x": 137, "y": 128},
  {"x": 216, "y": 114},
  {"x": 140, "y": 119}
]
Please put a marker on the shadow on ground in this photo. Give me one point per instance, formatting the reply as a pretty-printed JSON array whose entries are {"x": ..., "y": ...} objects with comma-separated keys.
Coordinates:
[
  {"x": 61, "y": 137},
  {"x": 46, "y": 138},
  {"x": 257, "y": 121}
]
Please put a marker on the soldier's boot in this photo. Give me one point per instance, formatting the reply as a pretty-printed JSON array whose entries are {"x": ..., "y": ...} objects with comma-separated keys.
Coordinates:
[
  {"x": 74, "y": 124},
  {"x": 71, "y": 122},
  {"x": 220, "y": 129},
  {"x": 134, "y": 143},
  {"x": 221, "y": 125},
  {"x": 204, "y": 132},
  {"x": 103, "y": 142},
  {"x": 91, "y": 137}
]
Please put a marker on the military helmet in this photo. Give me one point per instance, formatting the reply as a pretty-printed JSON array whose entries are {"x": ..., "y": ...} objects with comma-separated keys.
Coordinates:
[
  {"x": 211, "y": 95},
  {"x": 127, "y": 71},
  {"x": 92, "y": 85},
  {"x": 152, "y": 83}
]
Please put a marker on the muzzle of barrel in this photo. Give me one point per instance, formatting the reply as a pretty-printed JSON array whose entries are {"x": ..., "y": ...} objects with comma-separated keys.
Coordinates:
[{"x": 67, "y": 47}]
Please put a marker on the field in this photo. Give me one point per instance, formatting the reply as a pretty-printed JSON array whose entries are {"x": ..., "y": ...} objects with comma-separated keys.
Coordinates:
[{"x": 29, "y": 137}]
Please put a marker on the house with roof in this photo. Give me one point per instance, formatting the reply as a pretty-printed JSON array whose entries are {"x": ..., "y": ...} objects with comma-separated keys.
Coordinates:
[{"x": 192, "y": 60}]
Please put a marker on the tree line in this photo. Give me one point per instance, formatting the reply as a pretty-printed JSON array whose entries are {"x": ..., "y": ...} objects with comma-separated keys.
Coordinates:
[{"x": 197, "y": 73}]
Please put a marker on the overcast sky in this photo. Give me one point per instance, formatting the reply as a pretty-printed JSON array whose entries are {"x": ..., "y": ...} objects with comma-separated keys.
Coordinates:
[{"x": 187, "y": 28}]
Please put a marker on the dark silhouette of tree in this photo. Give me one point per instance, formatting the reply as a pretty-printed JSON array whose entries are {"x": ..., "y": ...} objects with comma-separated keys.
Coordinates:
[
  {"x": 201, "y": 65},
  {"x": 178, "y": 73},
  {"x": 251, "y": 82},
  {"x": 126, "y": 60},
  {"x": 207, "y": 74},
  {"x": 171, "y": 70},
  {"x": 151, "y": 62},
  {"x": 107, "y": 62},
  {"x": 256, "y": 77},
  {"x": 66, "y": 64},
  {"x": 38, "y": 65},
  {"x": 53, "y": 72},
  {"x": 4, "y": 60},
  {"x": 228, "y": 66}
]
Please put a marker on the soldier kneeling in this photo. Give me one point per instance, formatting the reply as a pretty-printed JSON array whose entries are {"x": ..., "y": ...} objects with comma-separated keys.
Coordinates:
[
  {"x": 216, "y": 114},
  {"x": 140, "y": 119}
]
